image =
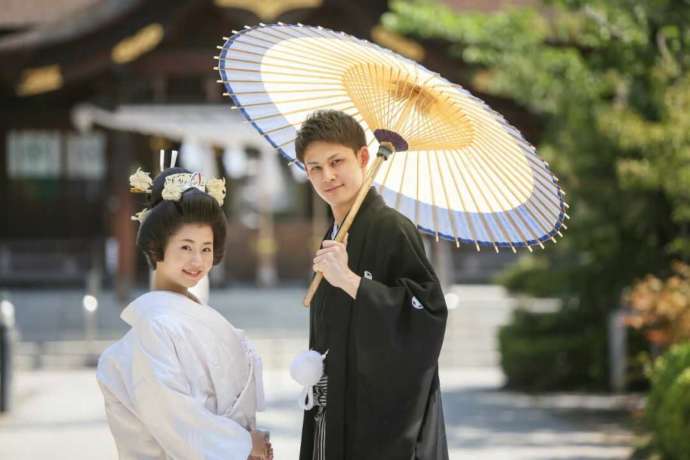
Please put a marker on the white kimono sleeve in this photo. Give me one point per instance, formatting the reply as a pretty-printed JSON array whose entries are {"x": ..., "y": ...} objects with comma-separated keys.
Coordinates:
[{"x": 162, "y": 399}]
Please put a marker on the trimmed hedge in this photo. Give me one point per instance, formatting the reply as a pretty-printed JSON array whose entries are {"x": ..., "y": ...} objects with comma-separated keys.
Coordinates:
[
  {"x": 668, "y": 403},
  {"x": 552, "y": 351}
]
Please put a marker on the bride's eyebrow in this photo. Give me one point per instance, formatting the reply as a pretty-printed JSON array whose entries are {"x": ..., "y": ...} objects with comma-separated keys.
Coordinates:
[{"x": 192, "y": 241}]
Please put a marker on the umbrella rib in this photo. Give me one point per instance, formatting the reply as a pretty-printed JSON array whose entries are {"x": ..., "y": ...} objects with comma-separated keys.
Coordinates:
[
  {"x": 289, "y": 91},
  {"x": 404, "y": 109},
  {"x": 358, "y": 118},
  {"x": 497, "y": 190},
  {"x": 371, "y": 96},
  {"x": 489, "y": 126},
  {"x": 526, "y": 154},
  {"x": 362, "y": 93},
  {"x": 535, "y": 209},
  {"x": 434, "y": 217},
  {"x": 388, "y": 105},
  {"x": 474, "y": 234},
  {"x": 434, "y": 128},
  {"x": 402, "y": 182},
  {"x": 381, "y": 98},
  {"x": 294, "y": 112},
  {"x": 480, "y": 189},
  {"x": 272, "y": 72},
  {"x": 371, "y": 51},
  {"x": 284, "y": 38},
  {"x": 470, "y": 191},
  {"x": 287, "y": 49},
  {"x": 451, "y": 217},
  {"x": 509, "y": 179},
  {"x": 266, "y": 62},
  {"x": 281, "y": 82},
  {"x": 496, "y": 193},
  {"x": 508, "y": 174},
  {"x": 416, "y": 201},
  {"x": 290, "y": 101},
  {"x": 326, "y": 63},
  {"x": 469, "y": 104},
  {"x": 506, "y": 155},
  {"x": 538, "y": 179},
  {"x": 320, "y": 49}
]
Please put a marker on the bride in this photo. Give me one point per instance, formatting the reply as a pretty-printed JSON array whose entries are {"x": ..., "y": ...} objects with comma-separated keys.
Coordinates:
[{"x": 183, "y": 383}]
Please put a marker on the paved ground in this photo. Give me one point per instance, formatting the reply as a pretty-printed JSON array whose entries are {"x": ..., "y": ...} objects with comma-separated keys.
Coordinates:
[
  {"x": 58, "y": 409},
  {"x": 59, "y": 415}
]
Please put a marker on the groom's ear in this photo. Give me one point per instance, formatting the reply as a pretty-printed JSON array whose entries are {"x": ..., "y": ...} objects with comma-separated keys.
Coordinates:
[{"x": 363, "y": 157}]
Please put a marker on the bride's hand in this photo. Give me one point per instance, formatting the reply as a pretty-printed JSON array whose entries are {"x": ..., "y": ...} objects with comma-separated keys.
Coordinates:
[{"x": 261, "y": 448}]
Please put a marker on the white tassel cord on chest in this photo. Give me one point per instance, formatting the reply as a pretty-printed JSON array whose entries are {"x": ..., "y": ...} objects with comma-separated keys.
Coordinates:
[{"x": 307, "y": 369}]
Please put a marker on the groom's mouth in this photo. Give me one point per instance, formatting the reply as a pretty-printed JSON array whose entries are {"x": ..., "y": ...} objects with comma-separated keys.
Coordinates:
[{"x": 331, "y": 189}]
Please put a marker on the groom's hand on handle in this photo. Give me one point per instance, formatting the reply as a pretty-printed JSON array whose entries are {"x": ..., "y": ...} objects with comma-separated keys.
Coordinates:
[{"x": 331, "y": 260}]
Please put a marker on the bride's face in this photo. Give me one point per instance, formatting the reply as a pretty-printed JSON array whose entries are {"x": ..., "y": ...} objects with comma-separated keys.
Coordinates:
[{"x": 188, "y": 255}]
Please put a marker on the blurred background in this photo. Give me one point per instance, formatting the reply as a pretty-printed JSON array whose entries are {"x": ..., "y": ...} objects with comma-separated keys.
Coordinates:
[{"x": 576, "y": 351}]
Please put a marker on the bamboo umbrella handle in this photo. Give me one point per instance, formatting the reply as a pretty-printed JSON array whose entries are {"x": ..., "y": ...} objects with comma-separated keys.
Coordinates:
[{"x": 342, "y": 231}]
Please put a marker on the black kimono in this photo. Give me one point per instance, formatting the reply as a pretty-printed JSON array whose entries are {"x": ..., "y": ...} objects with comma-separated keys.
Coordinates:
[{"x": 383, "y": 398}]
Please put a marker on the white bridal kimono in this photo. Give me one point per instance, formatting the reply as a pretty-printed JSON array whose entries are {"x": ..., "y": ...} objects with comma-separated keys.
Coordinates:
[{"x": 182, "y": 384}]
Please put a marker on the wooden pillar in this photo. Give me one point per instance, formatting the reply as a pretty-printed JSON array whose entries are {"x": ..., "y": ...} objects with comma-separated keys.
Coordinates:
[
  {"x": 123, "y": 228},
  {"x": 442, "y": 261},
  {"x": 266, "y": 247}
]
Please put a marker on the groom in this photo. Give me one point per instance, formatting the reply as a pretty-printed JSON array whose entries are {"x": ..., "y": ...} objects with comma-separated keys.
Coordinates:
[{"x": 380, "y": 313}]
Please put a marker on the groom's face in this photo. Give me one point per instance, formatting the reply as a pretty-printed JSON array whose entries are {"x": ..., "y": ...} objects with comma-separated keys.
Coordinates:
[{"x": 335, "y": 171}]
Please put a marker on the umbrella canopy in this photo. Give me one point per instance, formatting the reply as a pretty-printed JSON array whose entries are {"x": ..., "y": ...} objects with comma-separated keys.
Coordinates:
[{"x": 460, "y": 171}]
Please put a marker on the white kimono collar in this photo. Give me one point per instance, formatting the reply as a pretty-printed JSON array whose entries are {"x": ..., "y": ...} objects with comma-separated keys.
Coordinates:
[{"x": 156, "y": 303}]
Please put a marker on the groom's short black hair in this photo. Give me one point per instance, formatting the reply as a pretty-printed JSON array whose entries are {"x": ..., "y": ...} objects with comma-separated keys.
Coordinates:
[{"x": 329, "y": 126}]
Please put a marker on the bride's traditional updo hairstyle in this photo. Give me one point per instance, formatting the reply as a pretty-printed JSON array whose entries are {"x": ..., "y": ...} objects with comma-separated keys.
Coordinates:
[{"x": 164, "y": 215}]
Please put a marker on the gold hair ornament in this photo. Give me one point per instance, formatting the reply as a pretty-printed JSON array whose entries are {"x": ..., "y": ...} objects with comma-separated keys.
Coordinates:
[{"x": 175, "y": 186}]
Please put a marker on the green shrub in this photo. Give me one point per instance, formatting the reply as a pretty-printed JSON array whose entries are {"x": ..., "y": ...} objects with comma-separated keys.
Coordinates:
[
  {"x": 668, "y": 402},
  {"x": 552, "y": 351}
]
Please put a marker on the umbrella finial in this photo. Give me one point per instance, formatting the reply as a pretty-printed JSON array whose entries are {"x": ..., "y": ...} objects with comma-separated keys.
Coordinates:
[{"x": 386, "y": 135}]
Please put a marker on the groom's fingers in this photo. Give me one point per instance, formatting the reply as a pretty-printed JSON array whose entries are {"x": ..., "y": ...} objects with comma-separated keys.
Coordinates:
[{"x": 326, "y": 250}]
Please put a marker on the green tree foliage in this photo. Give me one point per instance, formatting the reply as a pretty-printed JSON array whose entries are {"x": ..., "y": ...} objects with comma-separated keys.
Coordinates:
[
  {"x": 667, "y": 411},
  {"x": 609, "y": 82}
]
